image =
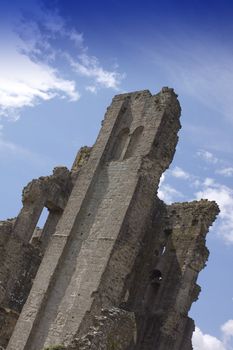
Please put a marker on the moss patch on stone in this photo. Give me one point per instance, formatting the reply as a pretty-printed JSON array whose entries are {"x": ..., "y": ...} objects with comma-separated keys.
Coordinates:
[{"x": 55, "y": 347}]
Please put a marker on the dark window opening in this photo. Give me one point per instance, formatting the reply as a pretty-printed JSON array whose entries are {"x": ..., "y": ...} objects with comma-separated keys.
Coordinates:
[
  {"x": 194, "y": 222},
  {"x": 156, "y": 252},
  {"x": 155, "y": 276},
  {"x": 168, "y": 231}
]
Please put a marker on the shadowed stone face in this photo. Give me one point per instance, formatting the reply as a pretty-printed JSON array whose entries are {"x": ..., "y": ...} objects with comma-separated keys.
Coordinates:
[{"x": 119, "y": 267}]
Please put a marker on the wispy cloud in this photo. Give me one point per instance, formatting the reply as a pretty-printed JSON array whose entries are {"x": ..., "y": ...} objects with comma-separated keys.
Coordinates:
[
  {"x": 91, "y": 88},
  {"x": 90, "y": 67},
  {"x": 180, "y": 173},
  {"x": 201, "y": 68},
  {"x": 39, "y": 57},
  {"x": 221, "y": 165},
  {"x": 228, "y": 172},
  {"x": 207, "y": 156}
]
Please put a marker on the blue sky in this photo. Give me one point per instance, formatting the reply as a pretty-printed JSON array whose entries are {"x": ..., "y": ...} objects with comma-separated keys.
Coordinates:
[{"x": 60, "y": 65}]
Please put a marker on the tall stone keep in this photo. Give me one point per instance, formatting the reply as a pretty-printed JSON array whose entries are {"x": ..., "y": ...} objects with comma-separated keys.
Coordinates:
[{"x": 120, "y": 268}]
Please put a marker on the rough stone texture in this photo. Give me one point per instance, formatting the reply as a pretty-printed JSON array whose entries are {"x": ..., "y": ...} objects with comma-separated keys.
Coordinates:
[
  {"x": 8, "y": 319},
  {"x": 19, "y": 262},
  {"x": 110, "y": 244},
  {"x": 113, "y": 329},
  {"x": 22, "y": 244},
  {"x": 80, "y": 160},
  {"x": 164, "y": 283}
]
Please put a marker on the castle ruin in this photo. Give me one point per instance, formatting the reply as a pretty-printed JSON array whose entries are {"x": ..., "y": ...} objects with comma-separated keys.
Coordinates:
[{"x": 114, "y": 267}]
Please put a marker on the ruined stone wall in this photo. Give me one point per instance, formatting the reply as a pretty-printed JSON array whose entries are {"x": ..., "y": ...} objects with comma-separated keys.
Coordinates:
[
  {"x": 163, "y": 286},
  {"x": 19, "y": 262},
  {"x": 119, "y": 267},
  {"x": 22, "y": 243}
]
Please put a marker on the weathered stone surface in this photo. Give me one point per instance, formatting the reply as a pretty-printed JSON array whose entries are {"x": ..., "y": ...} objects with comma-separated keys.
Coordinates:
[
  {"x": 105, "y": 217},
  {"x": 113, "y": 329},
  {"x": 80, "y": 160},
  {"x": 22, "y": 244},
  {"x": 8, "y": 319},
  {"x": 164, "y": 285},
  {"x": 119, "y": 266}
]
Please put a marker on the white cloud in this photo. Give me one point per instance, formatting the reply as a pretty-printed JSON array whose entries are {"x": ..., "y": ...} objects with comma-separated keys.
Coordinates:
[
  {"x": 203, "y": 341},
  {"x": 27, "y": 82},
  {"x": 34, "y": 66},
  {"x": 90, "y": 67},
  {"x": 180, "y": 173},
  {"x": 167, "y": 193},
  {"x": 91, "y": 88},
  {"x": 228, "y": 172},
  {"x": 196, "y": 183},
  {"x": 227, "y": 329},
  {"x": 207, "y": 156},
  {"x": 223, "y": 195},
  {"x": 208, "y": 182}
]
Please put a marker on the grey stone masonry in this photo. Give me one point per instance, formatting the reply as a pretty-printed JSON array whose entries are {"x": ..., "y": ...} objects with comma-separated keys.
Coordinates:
[
  {"x": 98, "y": 236},
  {"x": 22, "y": 244},
  {"x": 119, "y": 267}
]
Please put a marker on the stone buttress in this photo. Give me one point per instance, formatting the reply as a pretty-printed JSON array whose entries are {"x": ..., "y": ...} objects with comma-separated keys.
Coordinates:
[{"x": 117, "y": 255}]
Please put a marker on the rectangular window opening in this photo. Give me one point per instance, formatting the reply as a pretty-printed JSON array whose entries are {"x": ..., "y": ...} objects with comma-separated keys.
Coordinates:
[{"x": 40, "y": 225}]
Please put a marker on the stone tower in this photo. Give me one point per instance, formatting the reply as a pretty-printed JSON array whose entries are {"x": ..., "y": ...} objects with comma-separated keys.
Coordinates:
[{"x": 119, "y": 267}]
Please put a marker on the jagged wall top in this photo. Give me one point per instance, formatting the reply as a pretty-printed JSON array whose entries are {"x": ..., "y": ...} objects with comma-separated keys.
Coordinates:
[{"x": 116, "y": 245}]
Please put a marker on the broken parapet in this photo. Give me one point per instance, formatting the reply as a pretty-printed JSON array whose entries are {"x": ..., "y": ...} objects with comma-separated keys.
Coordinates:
[
  {"x": 22, "y": 244},
  {"x": 163, "y": 286},
  {"x": 80, "y": 160},
  {"x": 116, "y": 246},
  {"x": 19, "y": 259},
  {"x": 51, "y": 192}
]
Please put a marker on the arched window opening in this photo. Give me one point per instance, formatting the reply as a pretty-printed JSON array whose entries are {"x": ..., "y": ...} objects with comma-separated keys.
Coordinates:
[
  {"x": 134, "y": 142},
  {"x": 119, "y": 145}
]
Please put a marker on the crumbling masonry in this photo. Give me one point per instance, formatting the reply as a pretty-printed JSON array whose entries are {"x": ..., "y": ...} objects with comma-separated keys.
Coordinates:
[{"x": 114, "y": 267}]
